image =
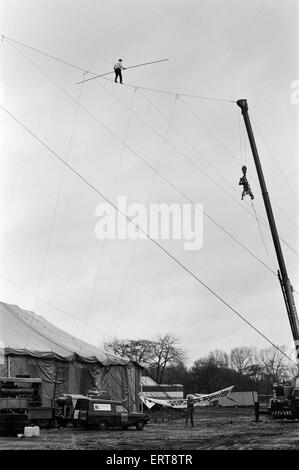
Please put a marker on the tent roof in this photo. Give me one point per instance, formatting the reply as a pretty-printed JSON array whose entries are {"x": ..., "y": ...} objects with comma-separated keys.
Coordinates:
[{"x": 22, "y": 332}]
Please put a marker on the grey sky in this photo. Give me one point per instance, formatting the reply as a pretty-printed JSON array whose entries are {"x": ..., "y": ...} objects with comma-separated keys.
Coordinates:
[{"x": 226, "y": 49}]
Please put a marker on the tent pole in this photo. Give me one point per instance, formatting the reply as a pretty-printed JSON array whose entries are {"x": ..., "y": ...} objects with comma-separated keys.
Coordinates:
[{"x": 8, "y": 366}]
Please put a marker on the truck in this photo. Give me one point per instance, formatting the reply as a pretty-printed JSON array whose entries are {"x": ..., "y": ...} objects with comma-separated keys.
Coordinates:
[
  {"x": 21, "y": 402},
  {"x": 97, "y": 413},
  {"x": 285, "y": 401}
]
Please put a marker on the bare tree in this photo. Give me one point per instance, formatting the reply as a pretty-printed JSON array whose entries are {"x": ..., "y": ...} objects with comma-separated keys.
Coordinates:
[
  {"x": 218, "y": 358},
  {"x": 274, "y": 364},
  {"x": 141, "y": 351},
  {"x": 156, "y": 355},
  {"x": 167, "y": 353},
  {"x": 241, "y": 358}
]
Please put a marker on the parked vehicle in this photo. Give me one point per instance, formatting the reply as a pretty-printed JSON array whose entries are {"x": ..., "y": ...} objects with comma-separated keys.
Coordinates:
[{"x": 98, "y": 413}]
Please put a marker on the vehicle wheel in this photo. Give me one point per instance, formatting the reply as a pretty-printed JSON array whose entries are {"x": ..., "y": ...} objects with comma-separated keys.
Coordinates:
[
  {"x": 139, "y": 425},
  {"x": 102, "y": 426}
]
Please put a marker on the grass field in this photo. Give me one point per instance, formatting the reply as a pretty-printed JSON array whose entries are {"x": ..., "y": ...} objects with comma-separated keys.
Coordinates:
[{"x": 215, "y": 428}]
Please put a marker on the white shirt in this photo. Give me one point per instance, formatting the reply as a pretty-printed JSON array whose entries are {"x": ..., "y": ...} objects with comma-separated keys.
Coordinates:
[{"x": 118, "y": 65}]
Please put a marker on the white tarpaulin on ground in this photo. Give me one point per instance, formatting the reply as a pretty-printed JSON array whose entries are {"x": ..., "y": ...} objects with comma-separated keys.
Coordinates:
[{"x": 198, "y": 400}]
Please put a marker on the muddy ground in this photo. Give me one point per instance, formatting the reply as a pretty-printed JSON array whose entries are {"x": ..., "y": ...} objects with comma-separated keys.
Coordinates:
[{"x": 215, "y": 428}]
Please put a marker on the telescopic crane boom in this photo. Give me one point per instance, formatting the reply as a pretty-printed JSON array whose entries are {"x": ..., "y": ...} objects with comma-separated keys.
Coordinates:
[{"x": 286, "y": 286}]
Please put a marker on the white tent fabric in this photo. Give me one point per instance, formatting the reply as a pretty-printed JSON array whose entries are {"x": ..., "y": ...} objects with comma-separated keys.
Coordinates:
[
  {"x": 24, "y": 330},
  {"x": 33, "y": 346}
]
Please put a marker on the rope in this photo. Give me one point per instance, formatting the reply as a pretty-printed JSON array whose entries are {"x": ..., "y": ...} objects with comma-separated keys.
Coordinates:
[
  {"x": 130, "y": 67},
  {"x": 242, "y": 151},
  {"x": 150, "y": 89},
  {"x": 193, "y": 164},
  {"x": 56, "y": 207},
  {"x": 175, "y": 93},
  {"x": 148, "y": 200},
  {"x": 45, "y": 54},
  {"x": 203, "y": 124},
  {"x": 261, "y": 234},
  {"x": 113, "y": 198},
  {"x": 93, "y": 73},
  {"x": 53, "y": 305},
  {"x": 275, "y": 161},
  {"x": 138, "y": 156},
  {"x": 240, "y": 139},
  {"x": 168, "y": 253}
]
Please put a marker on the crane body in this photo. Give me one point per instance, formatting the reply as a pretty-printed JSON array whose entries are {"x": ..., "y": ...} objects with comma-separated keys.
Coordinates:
[{"x": 285, "y": 402}]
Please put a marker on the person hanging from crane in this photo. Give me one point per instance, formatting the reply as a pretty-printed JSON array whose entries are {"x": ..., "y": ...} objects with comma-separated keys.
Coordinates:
[
  {"x": 246, "y": 186},
  {"x": 118, "y": 67}
]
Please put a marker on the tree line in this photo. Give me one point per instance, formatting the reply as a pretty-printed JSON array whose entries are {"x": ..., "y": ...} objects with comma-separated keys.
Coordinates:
[{"x": 247, "y": 368}]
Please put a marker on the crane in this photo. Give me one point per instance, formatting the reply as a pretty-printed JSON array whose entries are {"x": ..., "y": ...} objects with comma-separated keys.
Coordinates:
[{"x": 285, "y": 402}]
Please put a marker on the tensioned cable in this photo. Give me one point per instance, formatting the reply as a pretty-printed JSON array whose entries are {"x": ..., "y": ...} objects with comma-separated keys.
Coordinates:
[
  {"x": 191, "y": 162},
  {"x": 149, "y": 89},
  {"x": 124, "y": 68},
  {"x": 113, "y": 198},
  {"x": 175, "y": 93},
  {"x": 242, "y": 138},
  {"x": 261, "y": 234},
  {"x": 45, "y": 54},
  {"x": 146, "y": 163},
  {"x": 275, "y": 160},
  {"x": 93, "y": 73},
  {"x": 56, "y": 206},
  {"x": 230, "y": 235},
  {"x": 176, "y": 260},
  {"x": 148, "y": 200},
  {"x": 59, "y": 309},
  {"x": 239, "y": 129}
]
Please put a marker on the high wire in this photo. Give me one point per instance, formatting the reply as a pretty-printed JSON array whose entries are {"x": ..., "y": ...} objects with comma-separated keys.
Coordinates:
[
  {"x": 98, "y": 75},
  {"x": 194, "y": 164},
  {"x": 144, "y": 88},
  {"x": 176, "y": 93},
  {"x": 152, "y": 168},
  {"x": 236, "y": 161},
  {"x": 170, "y": 255},
  {"x": 113, "y": 198},
  {"x": 130, "y": 67},
  {"x": 148, "y": 200}
]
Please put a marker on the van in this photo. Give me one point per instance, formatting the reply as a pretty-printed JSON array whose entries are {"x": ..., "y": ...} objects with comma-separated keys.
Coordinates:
[{"x": 101, "y": 414}]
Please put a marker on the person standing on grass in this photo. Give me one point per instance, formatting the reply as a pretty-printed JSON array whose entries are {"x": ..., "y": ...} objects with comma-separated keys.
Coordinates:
[
  {"x": 190, "y": 410},
  {"x": 118, "y": 67}
]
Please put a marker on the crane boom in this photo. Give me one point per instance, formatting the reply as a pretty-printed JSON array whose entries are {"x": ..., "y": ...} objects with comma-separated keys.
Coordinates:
[{"x": 286, "y": 286}]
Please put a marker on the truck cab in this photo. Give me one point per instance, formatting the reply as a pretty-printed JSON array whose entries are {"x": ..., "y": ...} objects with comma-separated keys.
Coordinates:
[{"x": 285, "y": 401}]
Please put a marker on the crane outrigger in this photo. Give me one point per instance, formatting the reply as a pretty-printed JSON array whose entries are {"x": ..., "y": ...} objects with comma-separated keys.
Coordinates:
[{"x": 285, "y": 402}]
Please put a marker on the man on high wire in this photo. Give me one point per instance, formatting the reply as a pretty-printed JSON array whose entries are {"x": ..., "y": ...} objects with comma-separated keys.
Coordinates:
[{"x": 117, "y": 69}]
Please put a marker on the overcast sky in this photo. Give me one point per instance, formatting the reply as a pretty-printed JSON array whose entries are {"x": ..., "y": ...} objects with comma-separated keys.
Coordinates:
[{"x": 226, "y": 49}]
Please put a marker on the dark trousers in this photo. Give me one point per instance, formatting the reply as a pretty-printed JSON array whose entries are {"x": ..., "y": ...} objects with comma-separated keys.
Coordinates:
[
  {"x": 118, "y": 74},
  {"x": 189, "y": 414}
]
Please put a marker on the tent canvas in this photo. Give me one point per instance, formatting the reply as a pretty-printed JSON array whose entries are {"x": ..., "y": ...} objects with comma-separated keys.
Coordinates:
[{"x": 35, "y": 347}]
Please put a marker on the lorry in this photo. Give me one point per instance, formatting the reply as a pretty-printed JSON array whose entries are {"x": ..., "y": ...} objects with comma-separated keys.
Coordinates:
[
  {"x": 97, "y": 413},
  {"x": 21, "y": 404},
  {"x": 285, "y": 401}
]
